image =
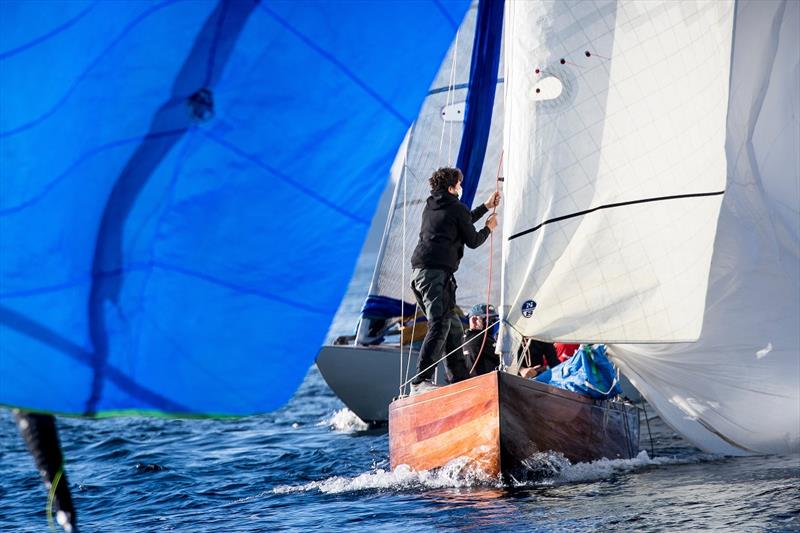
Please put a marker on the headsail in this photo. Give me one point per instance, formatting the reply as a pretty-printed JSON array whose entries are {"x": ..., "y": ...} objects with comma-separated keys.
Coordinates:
[
  {"x": 738, "y": 388},
  {"x": 185, "y": 189},
  {"x": 613, "y": 209},
  {"x": 615, "y": 165}
]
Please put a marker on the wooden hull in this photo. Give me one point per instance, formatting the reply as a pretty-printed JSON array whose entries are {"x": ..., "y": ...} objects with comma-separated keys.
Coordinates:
[{"x": 498, "y": 421}]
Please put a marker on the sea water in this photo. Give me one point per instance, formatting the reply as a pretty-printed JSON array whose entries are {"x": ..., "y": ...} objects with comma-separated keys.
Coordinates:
[{"x": 314, "y": 466}]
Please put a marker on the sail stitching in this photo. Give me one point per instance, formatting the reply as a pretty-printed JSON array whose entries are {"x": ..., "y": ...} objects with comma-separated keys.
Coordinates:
[{"x": 616, "y": 204}]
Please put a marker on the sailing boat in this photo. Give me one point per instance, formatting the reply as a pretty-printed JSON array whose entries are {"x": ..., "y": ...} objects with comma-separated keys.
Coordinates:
[{"x": 636, "y": 162}]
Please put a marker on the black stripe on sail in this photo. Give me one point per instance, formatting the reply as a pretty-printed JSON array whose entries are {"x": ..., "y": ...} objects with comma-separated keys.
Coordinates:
[{"x": 618, "y": 204}]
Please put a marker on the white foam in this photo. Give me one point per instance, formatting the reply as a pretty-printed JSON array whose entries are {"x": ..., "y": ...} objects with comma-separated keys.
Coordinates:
[
  {"x": 549, "y": 468},
  {"x": 345, "y": 421},
  {"x": 555, "y": 468},
  {"x": 457, "y": 473},
  {"x": 764, "y": 351}
]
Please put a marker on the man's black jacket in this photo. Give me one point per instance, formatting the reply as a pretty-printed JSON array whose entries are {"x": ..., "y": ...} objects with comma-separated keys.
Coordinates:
[
  {"x": 489, "y": 360},
  {"x": 447, "y": 225}
]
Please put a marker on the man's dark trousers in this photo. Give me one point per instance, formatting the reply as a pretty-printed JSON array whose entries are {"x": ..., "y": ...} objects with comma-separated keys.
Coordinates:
[{"x": 435, "y": 291}]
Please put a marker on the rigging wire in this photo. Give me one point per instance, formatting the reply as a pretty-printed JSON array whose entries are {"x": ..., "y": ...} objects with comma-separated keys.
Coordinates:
[
  {"x": 404, "y": 376},
  {"x": 453, "y": 99},
  {"x": 403, "y": 267},
  {"x": 450, "y": 94}
]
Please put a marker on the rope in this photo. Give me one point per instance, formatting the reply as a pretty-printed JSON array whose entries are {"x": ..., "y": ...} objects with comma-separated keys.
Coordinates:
[
  {"x": 604, "y": 393},
  {"x": 491, "y": 262},
  {"x": 526, "y": 351},
  {"x": 51, "y": 497},
  {"x": 445, "y": 356},
  {"x": 646, "y": 419},
  {"x": 410, "y": 342}
]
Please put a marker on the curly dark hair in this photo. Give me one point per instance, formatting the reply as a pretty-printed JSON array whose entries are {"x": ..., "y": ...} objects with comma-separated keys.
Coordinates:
[{"x": 445, "y": 177}]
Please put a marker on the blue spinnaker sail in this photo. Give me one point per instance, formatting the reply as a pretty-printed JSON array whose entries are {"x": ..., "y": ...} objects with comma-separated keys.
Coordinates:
[{"x": 186, "y": 187}]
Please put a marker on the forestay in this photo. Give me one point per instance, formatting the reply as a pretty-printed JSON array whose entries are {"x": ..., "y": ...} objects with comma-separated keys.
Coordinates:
[{"x": 186, "y": 187}]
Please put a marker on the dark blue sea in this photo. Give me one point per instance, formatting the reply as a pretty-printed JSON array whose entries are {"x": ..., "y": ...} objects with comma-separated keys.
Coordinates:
[{"x": 313, "y": 466}]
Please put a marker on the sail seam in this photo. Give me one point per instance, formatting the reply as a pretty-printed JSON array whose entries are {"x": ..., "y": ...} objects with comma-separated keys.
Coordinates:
[
  {"x": 49, "y": 34},
  {"x": 339, "y": 65},
  {"x": 617, "y": 204}
]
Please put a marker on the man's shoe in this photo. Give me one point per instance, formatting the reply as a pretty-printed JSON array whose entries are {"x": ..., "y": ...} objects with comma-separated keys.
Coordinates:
[{"x": 423, "y": 386}]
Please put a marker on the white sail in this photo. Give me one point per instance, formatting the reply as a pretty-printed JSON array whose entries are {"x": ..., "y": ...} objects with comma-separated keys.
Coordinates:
[
  {"x": 434, "y": 142},
  {"x": 655, "y": 121},
  {"x": 738, "y": 388},
  {"x": 614, "y": 136}
]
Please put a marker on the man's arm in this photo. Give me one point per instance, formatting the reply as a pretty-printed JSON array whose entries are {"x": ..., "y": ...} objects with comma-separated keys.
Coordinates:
[
  {"x": 478, "y": 212},
  {"x": 470, "y": 237},
  {"x": 492, "y": 201}
]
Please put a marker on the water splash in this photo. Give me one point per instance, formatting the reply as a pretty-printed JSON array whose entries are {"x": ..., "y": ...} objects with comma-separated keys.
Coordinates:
[
  {"x": 549, "y": 468},
  {"x": 764, "y": 351},
  {"x": 455, "y": 474},
  {"x": 345, "y": 421}
]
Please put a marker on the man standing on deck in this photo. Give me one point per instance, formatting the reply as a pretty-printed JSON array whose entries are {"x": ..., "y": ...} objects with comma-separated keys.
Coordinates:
[{"x": 447, "y": 225}]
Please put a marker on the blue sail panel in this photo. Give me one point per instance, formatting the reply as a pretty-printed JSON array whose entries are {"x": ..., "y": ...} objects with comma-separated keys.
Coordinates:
[
  {"x": 186, "y": 187},
  {"x": 480, "y": 96}
]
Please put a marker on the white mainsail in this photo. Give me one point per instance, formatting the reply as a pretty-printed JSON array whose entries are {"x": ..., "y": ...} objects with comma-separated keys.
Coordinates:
[
  {"x": 616, "y": 167},
  {"x": 434, "y": 142}
]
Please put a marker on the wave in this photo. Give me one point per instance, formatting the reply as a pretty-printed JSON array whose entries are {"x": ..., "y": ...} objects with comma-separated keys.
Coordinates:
[
  {"x": 548, "y": 468},
  {"x": 551, "y": 468},
  {"x": 456, "y": 473}
]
